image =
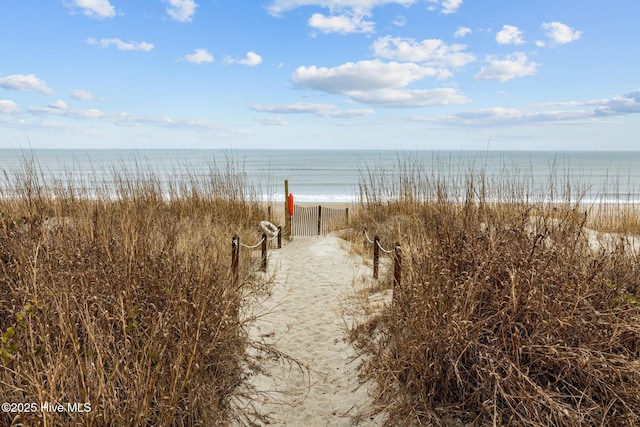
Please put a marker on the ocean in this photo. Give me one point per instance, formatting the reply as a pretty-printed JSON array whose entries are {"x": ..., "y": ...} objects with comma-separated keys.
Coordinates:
[{"x": 334, "y": 175}]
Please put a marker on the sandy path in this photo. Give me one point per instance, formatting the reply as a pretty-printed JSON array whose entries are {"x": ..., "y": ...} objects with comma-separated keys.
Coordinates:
[{"x": 304, "y": 318}]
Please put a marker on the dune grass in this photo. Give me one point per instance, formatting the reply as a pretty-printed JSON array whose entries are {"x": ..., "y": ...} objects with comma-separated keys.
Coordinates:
[
  {"x": 509, "y": 313},
  {"x": 120, "y": 296}
]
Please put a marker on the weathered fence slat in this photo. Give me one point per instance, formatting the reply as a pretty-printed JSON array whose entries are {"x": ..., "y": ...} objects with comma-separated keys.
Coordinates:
[{"x": 317, "y": 220}]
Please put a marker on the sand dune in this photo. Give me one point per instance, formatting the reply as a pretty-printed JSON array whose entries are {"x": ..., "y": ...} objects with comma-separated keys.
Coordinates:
[{"x": 304, "y": 318}]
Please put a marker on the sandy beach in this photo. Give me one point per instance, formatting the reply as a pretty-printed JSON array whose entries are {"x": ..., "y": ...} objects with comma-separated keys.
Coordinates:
[{"x": 313, "y": 298}]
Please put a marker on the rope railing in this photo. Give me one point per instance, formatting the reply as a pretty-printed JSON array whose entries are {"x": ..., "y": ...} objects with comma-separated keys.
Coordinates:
[
  {"x": 254, "y": 246},
  {"x": 383, "y": 249},
  {"x": 236, "y": 244},
  {"x": 397, "y": 258},
  {"x": 367, "y": 236}
]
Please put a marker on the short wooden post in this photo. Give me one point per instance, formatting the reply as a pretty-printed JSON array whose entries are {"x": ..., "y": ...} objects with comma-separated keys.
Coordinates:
[
  {"x": 264, "y": 251},
  {"x": 346, "y": 216},
  {"x": 397, "y": 266},
  {"x": 319, "y": 219},
  {"x": 269, "y": 213},
  {"x": 376, "y": 256},
  {"x": 279, "y": 237},
  {"x": 235, "y": 257}
]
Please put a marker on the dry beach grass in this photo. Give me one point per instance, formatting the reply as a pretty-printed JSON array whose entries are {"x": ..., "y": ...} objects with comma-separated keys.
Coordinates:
[
  {"x": 122, "y": 302},
  {"x": 508, "y": 313},
  {"x": 511, "y": 311}
]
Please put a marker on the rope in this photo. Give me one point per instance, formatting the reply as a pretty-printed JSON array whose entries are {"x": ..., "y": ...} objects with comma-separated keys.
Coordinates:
[
  {"x": 383, "y": 249},
  {"x": 254, "y": 246},
  {"x": 367, "y": 236}
]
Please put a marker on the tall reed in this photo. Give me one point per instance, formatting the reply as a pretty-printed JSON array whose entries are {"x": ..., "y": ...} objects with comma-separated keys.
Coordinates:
[
  {"x": 119, "y": 295},
  {"x": 509, "y": 312}
]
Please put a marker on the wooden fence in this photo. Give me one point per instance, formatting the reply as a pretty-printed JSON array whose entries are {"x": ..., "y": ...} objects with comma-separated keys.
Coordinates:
[{"x": 317, "y": 220}]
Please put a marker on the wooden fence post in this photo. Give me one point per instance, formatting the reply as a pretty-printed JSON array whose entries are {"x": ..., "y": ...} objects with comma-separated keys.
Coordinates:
[
  {"x": 269, "y": 213},
  {"x": 235, "y": 257},
  {"x": 346, "y": 214},
  {"x": 397, "y": 266},
  {"x": 319, "y": 219},
  {"x": 264, "y": 252},
  {"x": 376, "y": 255},
  {"x": 279, "y": 237}
]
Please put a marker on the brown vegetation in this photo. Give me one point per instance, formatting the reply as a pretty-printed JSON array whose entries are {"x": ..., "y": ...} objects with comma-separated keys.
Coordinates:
[
  {"x": 508, "y": 314},
  {"x": 123, "y": 300}
]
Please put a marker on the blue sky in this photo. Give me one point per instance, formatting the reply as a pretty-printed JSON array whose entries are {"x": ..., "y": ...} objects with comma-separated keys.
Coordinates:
[{"x": 374, "y": 74}]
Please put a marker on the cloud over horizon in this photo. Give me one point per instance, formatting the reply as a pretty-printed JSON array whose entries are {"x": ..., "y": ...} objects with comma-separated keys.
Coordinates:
[
  {"x": 24, "y": 83},
  {"x": 377, "y": 83},
  {"x": 8, "y": 107}
]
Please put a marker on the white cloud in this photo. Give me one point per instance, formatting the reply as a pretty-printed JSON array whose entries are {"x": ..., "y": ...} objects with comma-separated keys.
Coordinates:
[
  {"x": 295, "y": 108},
  {"x": 514, "y": 116},
  {"x": 272, "y": 121},
  {"x": 251, "y": 60},
  {"x": 360, "y": 76},
  {"x": 565, "y": 113},
  {"x": 278, "y": 7},
  {"x": 430, "y": 51},
  {"x": 23, "y": 83},
  {"x": 348, "y": 114},
  {"x": 199, "y": 56},
  {"x": 181, "y": 10},
  {"x": 322, "y": 110},
  {"x": 512, "y": 66},
  {"x": 82, "y": 95},
  {"x": 509, "y": 35},
  {"x": 560, "y": 33},
  {"x": 448, "y": 6},
  {"x": 400, "y": 21},
  {"x": 57, "y": 110},
  {"x": 95, "y": 8},
  {"x": 462, "y": 32},
  {"x": 105, "y": 43},
  {"x": 59, "y": 104},
  {"x": 377, "y": 83},
  {"x": 121, "y": 118},
  {"x": 343, "y": 24},
  {"x": 394, "y": 98},
  {"x": 8, "y": 107},
  {"x": 628, "y": 103}
]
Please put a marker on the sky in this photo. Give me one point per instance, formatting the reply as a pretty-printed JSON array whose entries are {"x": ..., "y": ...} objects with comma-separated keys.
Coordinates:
[{"x": 320, "y": 74}]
